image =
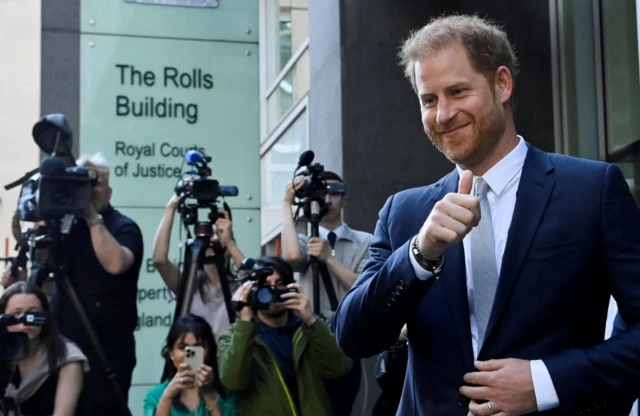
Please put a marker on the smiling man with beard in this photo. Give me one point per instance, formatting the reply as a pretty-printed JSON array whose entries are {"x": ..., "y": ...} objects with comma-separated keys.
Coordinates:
[
  {"x": 503, "y": 269},
  {"x": 277, "y": 361}
]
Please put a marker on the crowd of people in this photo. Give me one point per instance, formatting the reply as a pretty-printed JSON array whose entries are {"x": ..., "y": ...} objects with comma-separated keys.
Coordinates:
[
  {"x": 268, "y": 361},
  {"x": 485, "y": 293}
]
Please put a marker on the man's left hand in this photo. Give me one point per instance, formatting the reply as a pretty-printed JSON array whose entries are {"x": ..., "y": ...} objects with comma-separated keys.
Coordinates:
[
  {"x": 501, "y": 387},
  {"x": 299, "y": 303},
  {"x": 319, "y": 248}
]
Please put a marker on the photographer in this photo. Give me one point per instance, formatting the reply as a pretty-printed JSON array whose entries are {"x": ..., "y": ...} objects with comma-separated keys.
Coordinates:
[
  {"x": 208, "y": 301},
  {"x": 48, "y": 381},
  {"x": 342, "y": 249},
  {"x": 278, "y": 360},
  {"x": 103, "y": 254}
]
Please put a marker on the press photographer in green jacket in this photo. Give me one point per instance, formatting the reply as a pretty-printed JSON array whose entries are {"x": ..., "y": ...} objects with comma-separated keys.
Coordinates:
[{"x": 277, "y": 361}]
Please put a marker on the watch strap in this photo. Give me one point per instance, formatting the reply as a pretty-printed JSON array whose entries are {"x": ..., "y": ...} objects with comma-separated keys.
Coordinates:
[
  {"x": 431, "y": 265},
  {"x": 96, "y": 221}
]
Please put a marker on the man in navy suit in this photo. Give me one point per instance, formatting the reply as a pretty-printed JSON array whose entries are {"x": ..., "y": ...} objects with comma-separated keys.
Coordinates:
[{"x": 503, "y": 269}]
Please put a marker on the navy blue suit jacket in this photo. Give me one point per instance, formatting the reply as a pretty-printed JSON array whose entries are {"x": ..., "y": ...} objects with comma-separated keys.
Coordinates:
[{"x": 573, "y": 241}]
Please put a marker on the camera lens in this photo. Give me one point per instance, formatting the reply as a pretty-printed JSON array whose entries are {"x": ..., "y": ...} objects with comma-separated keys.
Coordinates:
[{"x": 264, "y": 295}]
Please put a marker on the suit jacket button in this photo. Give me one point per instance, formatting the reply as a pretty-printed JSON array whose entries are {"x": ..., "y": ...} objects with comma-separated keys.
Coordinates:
[{"x": 463, "y": 401}]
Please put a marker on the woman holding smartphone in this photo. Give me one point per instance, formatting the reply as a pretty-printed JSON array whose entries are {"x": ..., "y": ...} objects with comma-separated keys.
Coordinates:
[
  {"x": 208, "y": 300},
  {"x": 186, "y": 390}
]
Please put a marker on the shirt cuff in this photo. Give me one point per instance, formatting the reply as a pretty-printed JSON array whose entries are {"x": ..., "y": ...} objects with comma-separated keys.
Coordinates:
[
  {"x": 546, "y": 396},
  {"x": 421, "y": 273}
]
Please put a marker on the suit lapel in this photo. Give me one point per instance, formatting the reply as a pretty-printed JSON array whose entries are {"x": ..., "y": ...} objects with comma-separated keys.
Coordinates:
[
  {"x": 454, "y": 281},
  {"x": 534, "y": 190}
]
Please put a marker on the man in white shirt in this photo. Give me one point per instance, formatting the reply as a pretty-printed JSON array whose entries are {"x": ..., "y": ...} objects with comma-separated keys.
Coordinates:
[{"x": 503, "y": 269}]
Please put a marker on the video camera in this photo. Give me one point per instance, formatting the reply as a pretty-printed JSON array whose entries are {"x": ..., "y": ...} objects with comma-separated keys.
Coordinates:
[
  {"x": 201, "y": 187},
  {"x": 313, "y": 192},
  {"x": 52, "y": 196},
  {"x": 261, "y": 295},
  {"x": 14, "y": 346},
  {"x": 55, "y": 190},
  {"x": 313, "y": 187}
]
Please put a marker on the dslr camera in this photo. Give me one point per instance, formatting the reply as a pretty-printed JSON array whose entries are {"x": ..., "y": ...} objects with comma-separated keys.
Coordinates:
[{"x": 261, "y": 295}]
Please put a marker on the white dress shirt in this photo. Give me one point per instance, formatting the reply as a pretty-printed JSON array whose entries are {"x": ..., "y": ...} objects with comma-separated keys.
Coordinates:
[
  {"x": 324, "y": 232},
  {"x": 503, "y": 179}
]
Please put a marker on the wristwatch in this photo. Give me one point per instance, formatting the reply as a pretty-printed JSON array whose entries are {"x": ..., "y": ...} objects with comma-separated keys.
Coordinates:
[
  {"x": 96, "y": 221},
  {"x": 431, "y": 265}
]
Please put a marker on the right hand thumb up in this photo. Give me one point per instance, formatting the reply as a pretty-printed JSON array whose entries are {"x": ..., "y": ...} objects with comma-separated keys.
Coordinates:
[{"x": 466, "y": 183}]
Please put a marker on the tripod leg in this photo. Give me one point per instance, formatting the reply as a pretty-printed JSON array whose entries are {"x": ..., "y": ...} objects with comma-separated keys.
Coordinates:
[
  {"x": 320, "y": 271},
  {"x": 224, "y": 283},
  {"x": 316, "y": 287},
  {"x": 93, "y": 338},
  {"x": 188, "y": 285},
  {"x": 328, "y": 286}
]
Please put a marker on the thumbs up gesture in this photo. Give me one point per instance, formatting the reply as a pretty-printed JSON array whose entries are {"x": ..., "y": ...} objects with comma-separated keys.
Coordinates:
[{"x": 451, "y": 219}]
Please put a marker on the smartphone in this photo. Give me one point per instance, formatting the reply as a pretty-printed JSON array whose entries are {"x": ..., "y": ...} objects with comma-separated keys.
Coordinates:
[{"x": 194, "y": 356}]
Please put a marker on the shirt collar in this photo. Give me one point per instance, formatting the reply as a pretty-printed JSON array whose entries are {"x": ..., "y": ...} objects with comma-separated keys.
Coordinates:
[
  {"x": 341, "y": 232},
  {"x": 503, "y": 172},
  {"x": 107, "y": 211}
]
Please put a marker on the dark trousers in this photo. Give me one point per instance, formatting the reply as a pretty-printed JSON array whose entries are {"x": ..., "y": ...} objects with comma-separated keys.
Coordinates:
[
  {"x": 390, "y": 377},
  {"x": 343, "y": 391},
  {"x": 97, "y": 397}
]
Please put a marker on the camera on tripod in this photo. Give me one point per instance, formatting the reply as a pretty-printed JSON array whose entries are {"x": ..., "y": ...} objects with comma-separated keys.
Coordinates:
[
  {"x": 312, "y": 194},
  {"x": 52, "y": 196},
  {"x": 313, "y": 187},
  {"x": 202, "y": 188},
  {"x": 206, "y": 192},
  {"x": 261, "y": 295},
  {"x": 57, "y": 190},
  {"x": 312, "y": 199}
]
